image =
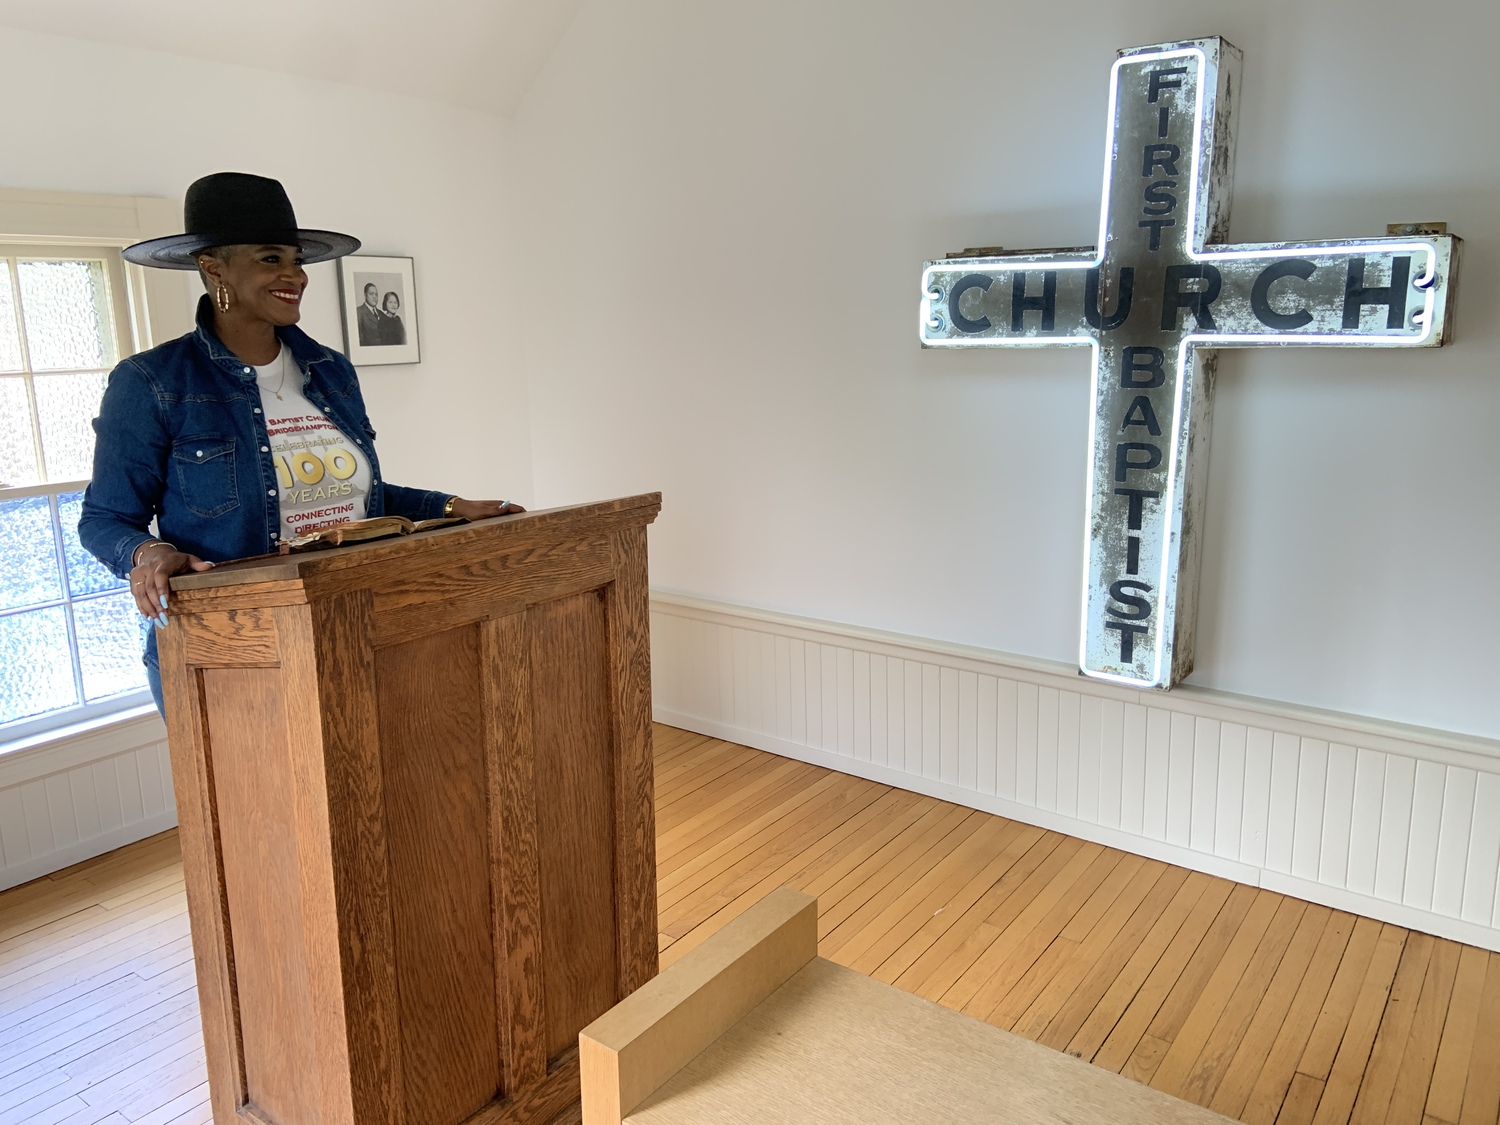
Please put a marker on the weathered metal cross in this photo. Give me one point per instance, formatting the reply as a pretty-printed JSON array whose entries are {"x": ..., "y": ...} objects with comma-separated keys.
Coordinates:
[{"x": 1152, "y": 300}]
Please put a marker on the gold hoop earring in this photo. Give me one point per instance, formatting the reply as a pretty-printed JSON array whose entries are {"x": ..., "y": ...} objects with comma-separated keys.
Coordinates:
[{"x": 221, "y": 297}]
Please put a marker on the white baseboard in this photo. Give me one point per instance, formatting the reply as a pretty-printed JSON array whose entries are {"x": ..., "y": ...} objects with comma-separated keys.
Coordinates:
[
  {"x": 83, "y": 793},
  {"x": 56, "y": 860},
  {"x": 1389, "y": 821}
]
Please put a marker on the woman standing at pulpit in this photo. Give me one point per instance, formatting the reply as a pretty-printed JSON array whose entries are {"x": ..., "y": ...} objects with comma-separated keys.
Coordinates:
[{"x": 246, "y": 431}]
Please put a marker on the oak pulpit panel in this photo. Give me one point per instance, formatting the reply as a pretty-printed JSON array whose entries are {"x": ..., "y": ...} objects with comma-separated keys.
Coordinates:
[
  {"x": 432, "y": 771},
  {"x": 575, "y": 815},
  {"x": 414, "y": 784}
]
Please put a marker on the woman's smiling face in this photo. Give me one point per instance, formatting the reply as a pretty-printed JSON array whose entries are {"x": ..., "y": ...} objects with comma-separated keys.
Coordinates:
[{"x": 264, "y": 282}]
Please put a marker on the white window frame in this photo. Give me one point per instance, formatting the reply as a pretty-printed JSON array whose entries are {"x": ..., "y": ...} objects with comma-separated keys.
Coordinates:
[{"x": 157, "y": 306}]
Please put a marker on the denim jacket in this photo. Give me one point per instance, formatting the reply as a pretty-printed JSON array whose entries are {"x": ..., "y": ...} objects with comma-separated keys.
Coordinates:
[{"x": 181, "y": 438}]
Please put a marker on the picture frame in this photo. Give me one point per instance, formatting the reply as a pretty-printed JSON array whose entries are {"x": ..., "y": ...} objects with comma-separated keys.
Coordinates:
[{"x": 386, "y": 330}]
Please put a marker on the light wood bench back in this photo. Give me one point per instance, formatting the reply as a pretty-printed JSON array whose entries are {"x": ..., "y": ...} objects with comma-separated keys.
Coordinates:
[{"x": 630, "y": 1051}]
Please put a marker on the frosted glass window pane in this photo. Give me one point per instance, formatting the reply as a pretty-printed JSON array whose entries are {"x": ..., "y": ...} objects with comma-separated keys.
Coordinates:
[
  {"x": 28, "y": 553},
  {"x": 66, "y": 405},
  {"x": 10, "y": 336},
  {"x": 36, "y": 669},
  {"x": 66, "y": 310},
  {"x": 17, "y": 443},
  {"x": 86, "y": 574},
  {"x": 111, "y": 635}
]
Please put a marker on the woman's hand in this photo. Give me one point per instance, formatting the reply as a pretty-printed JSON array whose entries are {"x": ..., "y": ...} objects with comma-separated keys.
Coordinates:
[
  {"x": 150, "y": 578},
  {"x": 484, "y": 509}
]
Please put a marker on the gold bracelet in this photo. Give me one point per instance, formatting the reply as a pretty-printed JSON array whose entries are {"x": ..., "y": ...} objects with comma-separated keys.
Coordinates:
[
  {"x": 448, "y": 507},
  {"x": 136, "y": 554}
]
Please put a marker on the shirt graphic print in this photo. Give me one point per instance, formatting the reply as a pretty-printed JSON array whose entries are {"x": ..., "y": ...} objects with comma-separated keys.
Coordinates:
[{"x": 323, "y": 477}]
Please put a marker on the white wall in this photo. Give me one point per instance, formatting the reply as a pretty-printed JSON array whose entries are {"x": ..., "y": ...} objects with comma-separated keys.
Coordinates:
[
  {"x": 727, "y": 206},
  {"x": 408, "y": 177}
]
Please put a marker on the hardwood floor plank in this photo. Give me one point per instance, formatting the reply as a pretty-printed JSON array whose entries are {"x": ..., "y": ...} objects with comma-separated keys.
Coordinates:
[
  {"x": 1301, "y": 1100},
  {"x": 831, "y": 857},
  {"x": 75, "y": 922},
  {"x": 696, "y": 807},
  {"x": 1482, "y": 1092},
  {"x": 692, "y": 873},
  {"x": 797, "y": 830},
  {"x": 1024, "y": 967},
  {"x": 986, "y": 882},
  {"x": 1370, "y": 939},
  {"x": 35, "y": 1094},
  {"x": 1445, "y": 1096},
  {"x": 188, "y": 1108},
  {"x": 1144, "y": 898},
  {"x": 1216, "y": 963},
  {"x": 158, "y": 928},
  {"x": 1344, "y": 1077},
  {"x": 1058, "y": 971},
  {"x": 1258, "y": 1042},
  {"x": 63, "y": 899},
  {"x": 93, "y": 1115},
  {"x": 1346, "y": 938},
  {"x": 704, "y": 813},
  {"x": 935, "y": 968},
  {"x": 666, "y": 741},
  {"x": 178, "y": 1079},
  {"x": 1409, "y": 1097},
  {"x": 667, "y": 767},
  {"x": 1156, "y": 918},
  {"x": 44, "y": 1113},
  {"x": 1378, "y": 1083},
  {"x": 1166, "y": 973},
  {"x": 19, "y": 964},
  {"x": 891, "y": 862},
  {"x": 150, "y": 1072},
  {"x": 680, "y": 807},
  {"x": 21, "y": 1008},
  {"x": 112, "y": 1032},
  {"x": 1202, "y": 1047},
  {"x": 1017, "y": 930},
  {"x": 129, "y": 991},
  {"x": 991, "y": 917},
  {"x": 963, "y": 848},
  {"x": 705, "y": 765},
  {"x": 865, "y": 947}
]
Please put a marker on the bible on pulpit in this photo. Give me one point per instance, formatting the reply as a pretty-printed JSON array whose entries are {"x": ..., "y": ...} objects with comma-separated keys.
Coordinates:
[{"x": 360, "y": 531}]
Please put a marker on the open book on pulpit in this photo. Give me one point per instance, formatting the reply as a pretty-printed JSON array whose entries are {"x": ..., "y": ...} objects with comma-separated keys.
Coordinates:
[{"x": 360, "y": 531}]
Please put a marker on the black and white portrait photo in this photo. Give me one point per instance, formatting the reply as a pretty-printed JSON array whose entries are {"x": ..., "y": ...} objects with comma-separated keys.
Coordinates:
[{"x": 380, "y": 315}]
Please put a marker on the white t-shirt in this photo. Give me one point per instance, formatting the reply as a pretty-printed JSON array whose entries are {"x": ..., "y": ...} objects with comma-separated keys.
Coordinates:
[{"x": 324, "y": 477}]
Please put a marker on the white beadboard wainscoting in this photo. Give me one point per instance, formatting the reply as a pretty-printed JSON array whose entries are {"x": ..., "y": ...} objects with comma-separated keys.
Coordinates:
[
  {"x": 72, "y": 796},
  {"x": 1394, "y": 822}
]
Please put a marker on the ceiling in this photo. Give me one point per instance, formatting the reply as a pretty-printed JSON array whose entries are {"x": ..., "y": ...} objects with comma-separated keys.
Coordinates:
[{"x": 482, "y": 54}]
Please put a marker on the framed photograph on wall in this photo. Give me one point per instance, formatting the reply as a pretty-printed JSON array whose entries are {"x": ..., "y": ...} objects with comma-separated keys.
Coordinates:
[{"x": 378, "y": 297}]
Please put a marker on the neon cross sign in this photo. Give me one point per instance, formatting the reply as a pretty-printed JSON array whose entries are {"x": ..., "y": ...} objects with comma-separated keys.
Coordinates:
[{"x": 1159, "y": 292}]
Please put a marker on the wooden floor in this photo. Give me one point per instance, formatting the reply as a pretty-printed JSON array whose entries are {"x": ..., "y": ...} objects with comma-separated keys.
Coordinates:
[{"x": 1259, "y": 1006}]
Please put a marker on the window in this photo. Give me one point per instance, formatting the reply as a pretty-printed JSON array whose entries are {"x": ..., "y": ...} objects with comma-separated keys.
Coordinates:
[{"x": 70, "y": 636}]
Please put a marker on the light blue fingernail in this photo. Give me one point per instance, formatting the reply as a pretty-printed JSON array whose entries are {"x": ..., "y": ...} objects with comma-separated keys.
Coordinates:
[
  {"x": 159, "y": 622},
  {"x": 164, "y": 601}
]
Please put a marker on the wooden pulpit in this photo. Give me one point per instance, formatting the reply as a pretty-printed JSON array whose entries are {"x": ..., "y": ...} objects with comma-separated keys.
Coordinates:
[{"x": 414, "y": 784}]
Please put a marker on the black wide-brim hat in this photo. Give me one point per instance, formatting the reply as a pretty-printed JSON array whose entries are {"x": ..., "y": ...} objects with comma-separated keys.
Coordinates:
[{"x": 237, "y": 209}]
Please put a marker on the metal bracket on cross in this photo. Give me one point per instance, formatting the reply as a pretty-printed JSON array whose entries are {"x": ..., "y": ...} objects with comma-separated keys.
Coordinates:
[{"x": 1159, "y": 293}]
